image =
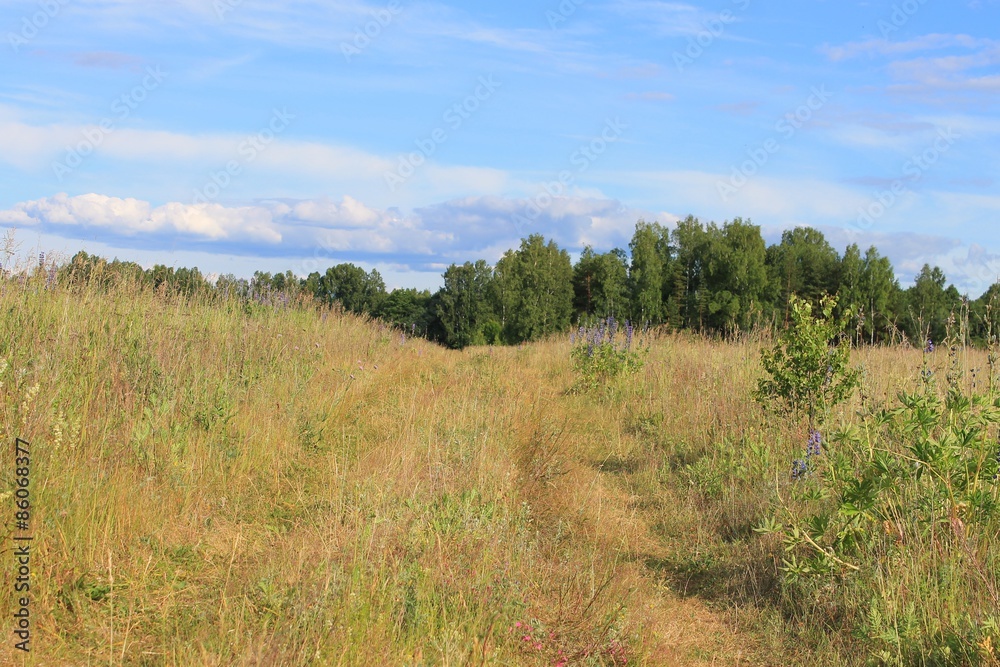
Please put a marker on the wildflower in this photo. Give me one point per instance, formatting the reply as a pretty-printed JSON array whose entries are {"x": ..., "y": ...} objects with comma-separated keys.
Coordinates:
[
  {"x": 799, "y": 469},
  {"x": 930, "y": 346},
  {"x": 814, "y": 448}
]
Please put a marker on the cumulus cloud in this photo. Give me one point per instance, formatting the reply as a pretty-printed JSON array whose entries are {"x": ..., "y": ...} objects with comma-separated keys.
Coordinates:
[
  {"x": 132, "y": 217},
  {"x": 314, "y": 233},
  {"x": 455, "y": 230},
  {"x": 969, "y": 266}
]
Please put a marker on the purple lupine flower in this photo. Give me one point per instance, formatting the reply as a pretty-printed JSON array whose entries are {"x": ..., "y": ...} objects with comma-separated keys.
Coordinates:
[
  {"x": 814, "y": 448},
  {"x": 929, "y": 348},
  {"x": 799, "y": 469}
]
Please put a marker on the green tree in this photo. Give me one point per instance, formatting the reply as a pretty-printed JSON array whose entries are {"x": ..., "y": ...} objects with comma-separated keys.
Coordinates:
[
  {"x": 462, "y": 306},
  {"x": 868, "y": 288},
  {"x": 686, "y": 303},
  {"x": 356, "y": 291},
  {"x": 803, "y": 264},
  {"x": 984, "y": 316},
  {"x": 645, "y": 278},
  {"x": 534, "y": 291},
  {"x": 735, "y": 274},
  {"x": 600, "y": 284},
  {"x": 407, "y": 309},
  {"x": 929, "y": 305}
]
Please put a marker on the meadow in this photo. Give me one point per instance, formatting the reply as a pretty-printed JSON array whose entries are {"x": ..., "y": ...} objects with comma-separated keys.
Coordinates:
[{"x": 217, "y": 482}]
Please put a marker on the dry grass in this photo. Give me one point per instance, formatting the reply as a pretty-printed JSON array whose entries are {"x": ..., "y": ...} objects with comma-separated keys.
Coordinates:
[
  {"x": 216, "y": 484},
  {"x": 222, "y": 486}
]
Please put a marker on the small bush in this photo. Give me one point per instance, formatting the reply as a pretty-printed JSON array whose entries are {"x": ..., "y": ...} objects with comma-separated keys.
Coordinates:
[
  {"x": 598, "y": 358},
  {"x": 808, "y": 371},
  {"x": 889, "y": 530}
]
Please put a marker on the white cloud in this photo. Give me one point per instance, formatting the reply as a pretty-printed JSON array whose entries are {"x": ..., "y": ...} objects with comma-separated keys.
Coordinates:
[
  {"x": 886, "y": 47},
  {"x": 955, "y": 71},
  {"x": 455, "y": 230},
  {"x": 191, "y": 158},
  {"x": 132, "y": 217}
]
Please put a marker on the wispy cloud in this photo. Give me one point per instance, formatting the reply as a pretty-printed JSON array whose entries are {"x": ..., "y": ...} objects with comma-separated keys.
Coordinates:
[
  {"x": 666, "y": 18},
  {"x": 107, "y": 60},
  {"x": 886, "y": 47},
  {"x": 959, "y": 71}
]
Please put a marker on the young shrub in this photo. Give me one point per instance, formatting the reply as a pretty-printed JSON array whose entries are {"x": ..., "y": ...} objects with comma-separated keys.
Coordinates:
[
  {"x": 807, "y": 371},
  {"x": 899, "y": 526}
]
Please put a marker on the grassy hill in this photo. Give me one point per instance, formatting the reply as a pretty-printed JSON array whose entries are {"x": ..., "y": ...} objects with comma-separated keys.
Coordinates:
[{"x": 217, "y": 483}]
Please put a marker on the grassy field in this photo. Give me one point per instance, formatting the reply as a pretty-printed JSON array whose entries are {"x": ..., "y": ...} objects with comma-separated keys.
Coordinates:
[{"x": 228, "y": 484}]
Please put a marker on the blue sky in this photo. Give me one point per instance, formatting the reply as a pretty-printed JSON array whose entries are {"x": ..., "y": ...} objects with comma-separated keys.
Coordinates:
[{"x": 238, "y": 135}]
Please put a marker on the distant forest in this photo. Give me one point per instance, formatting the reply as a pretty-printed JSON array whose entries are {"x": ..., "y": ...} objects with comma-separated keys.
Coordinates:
[{"x": 716, "y": 280}]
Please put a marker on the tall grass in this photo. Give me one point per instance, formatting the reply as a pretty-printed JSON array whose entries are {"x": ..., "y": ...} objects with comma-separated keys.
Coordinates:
[
  {"x": 223, "y": 483},
  {"x": 217, "y": 483}
]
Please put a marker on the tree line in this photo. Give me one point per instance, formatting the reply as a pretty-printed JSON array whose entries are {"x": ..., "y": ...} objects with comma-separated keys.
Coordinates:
[{"x": 706, "y": 278}]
